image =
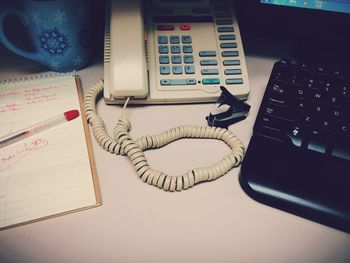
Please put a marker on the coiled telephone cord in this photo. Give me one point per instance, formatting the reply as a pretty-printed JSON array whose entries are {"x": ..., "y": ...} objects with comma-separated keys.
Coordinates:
[{"x": 123, "y": 144}]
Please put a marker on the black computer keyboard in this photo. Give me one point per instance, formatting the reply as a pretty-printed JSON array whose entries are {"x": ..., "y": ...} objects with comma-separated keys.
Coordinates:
[
  {"x": 298, "y": 158},
  {"x": 308, "y": 106}
]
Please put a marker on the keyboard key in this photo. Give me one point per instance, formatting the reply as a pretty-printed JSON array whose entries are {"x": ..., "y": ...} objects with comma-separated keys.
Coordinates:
[
  {"x": 278, "y": 99},
  {"x": 317, "y": 142},
  {"x": 341, "y": 150},
  {"x": 233, "y": 71},
  {"x": 278, "y": 111}
]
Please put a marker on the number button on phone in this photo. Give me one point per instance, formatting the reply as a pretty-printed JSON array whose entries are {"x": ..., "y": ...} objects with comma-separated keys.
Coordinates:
[
  {"x": 176, "y": 59},
  {"x": 164, "y": 70},
  {"x": 162, "y": 40},
  {"x": 175, "y": 49},
  {"x": 163, "y": 49},
  {"x": 188, "y": 59},
  {"x": 187, "y": 49},
  {"x": 189, "y": 69},
  {"x": 174, "y": 39},
  {"x": 177, "y": 70},
  {"x": 186, "y": 39},
  {"x": 163, "y": 59}
]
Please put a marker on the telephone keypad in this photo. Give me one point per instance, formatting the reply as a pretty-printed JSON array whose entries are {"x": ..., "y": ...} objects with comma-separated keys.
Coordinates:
[
  {"x": 203, "y": 64},
  {"x": 181, "y": 49}
]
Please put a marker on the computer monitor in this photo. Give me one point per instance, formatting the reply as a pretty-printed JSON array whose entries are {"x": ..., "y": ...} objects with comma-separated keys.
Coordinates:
[
  {"x": 342, "y": 6},
  {"x": 316, "y": 32}
]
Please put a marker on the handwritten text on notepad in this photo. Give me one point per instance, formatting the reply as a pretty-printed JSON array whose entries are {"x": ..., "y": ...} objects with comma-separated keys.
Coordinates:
[
  {"x": 10, "y": 156},
  {"x": 26, "y": 97}
]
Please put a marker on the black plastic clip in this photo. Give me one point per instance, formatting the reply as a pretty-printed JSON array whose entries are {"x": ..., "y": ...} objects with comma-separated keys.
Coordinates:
[{"x": 237, "y": 111}]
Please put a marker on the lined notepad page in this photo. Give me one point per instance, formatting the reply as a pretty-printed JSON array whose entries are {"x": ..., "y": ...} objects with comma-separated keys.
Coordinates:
[{"x": 48, "y": 173}]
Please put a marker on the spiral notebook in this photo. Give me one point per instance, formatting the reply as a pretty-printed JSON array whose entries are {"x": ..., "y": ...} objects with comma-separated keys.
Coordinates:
[{"x": 52, "y": 172}]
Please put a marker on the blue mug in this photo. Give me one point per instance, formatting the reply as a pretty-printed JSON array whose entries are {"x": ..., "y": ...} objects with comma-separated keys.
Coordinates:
[{"x": 60, "y": 32}]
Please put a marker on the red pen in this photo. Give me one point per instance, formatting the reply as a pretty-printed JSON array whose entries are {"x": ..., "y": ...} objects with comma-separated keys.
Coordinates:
[{"x": 38, "y": 127}]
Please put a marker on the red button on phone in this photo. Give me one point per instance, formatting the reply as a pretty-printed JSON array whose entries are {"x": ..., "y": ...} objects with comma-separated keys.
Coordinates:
[
  {"x": 185, "y": 27},
  {"x": 165, "y": 27}
]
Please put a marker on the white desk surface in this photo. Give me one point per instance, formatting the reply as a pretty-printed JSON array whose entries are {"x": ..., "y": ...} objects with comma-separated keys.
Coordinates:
[{"x": 211, "y": 222}]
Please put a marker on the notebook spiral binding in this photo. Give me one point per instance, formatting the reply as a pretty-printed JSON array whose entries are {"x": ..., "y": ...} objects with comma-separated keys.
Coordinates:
[{"x": 38, "y": 76}]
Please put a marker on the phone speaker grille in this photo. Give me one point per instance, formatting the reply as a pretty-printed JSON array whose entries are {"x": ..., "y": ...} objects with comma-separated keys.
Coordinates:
[
  {"x": 146, "y": 50},
  {"x": 107, "y": 48}
]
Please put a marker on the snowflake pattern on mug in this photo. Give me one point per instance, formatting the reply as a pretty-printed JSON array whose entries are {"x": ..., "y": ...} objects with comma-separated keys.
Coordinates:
[{"x": 53, "y": 41}]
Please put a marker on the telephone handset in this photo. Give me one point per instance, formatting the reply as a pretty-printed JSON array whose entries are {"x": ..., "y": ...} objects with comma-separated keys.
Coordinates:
[{"x": 163, "y": 51}]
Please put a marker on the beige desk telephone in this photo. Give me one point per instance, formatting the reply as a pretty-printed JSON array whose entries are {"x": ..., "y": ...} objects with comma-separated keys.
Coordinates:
[{"x": 167, "y": 51}]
